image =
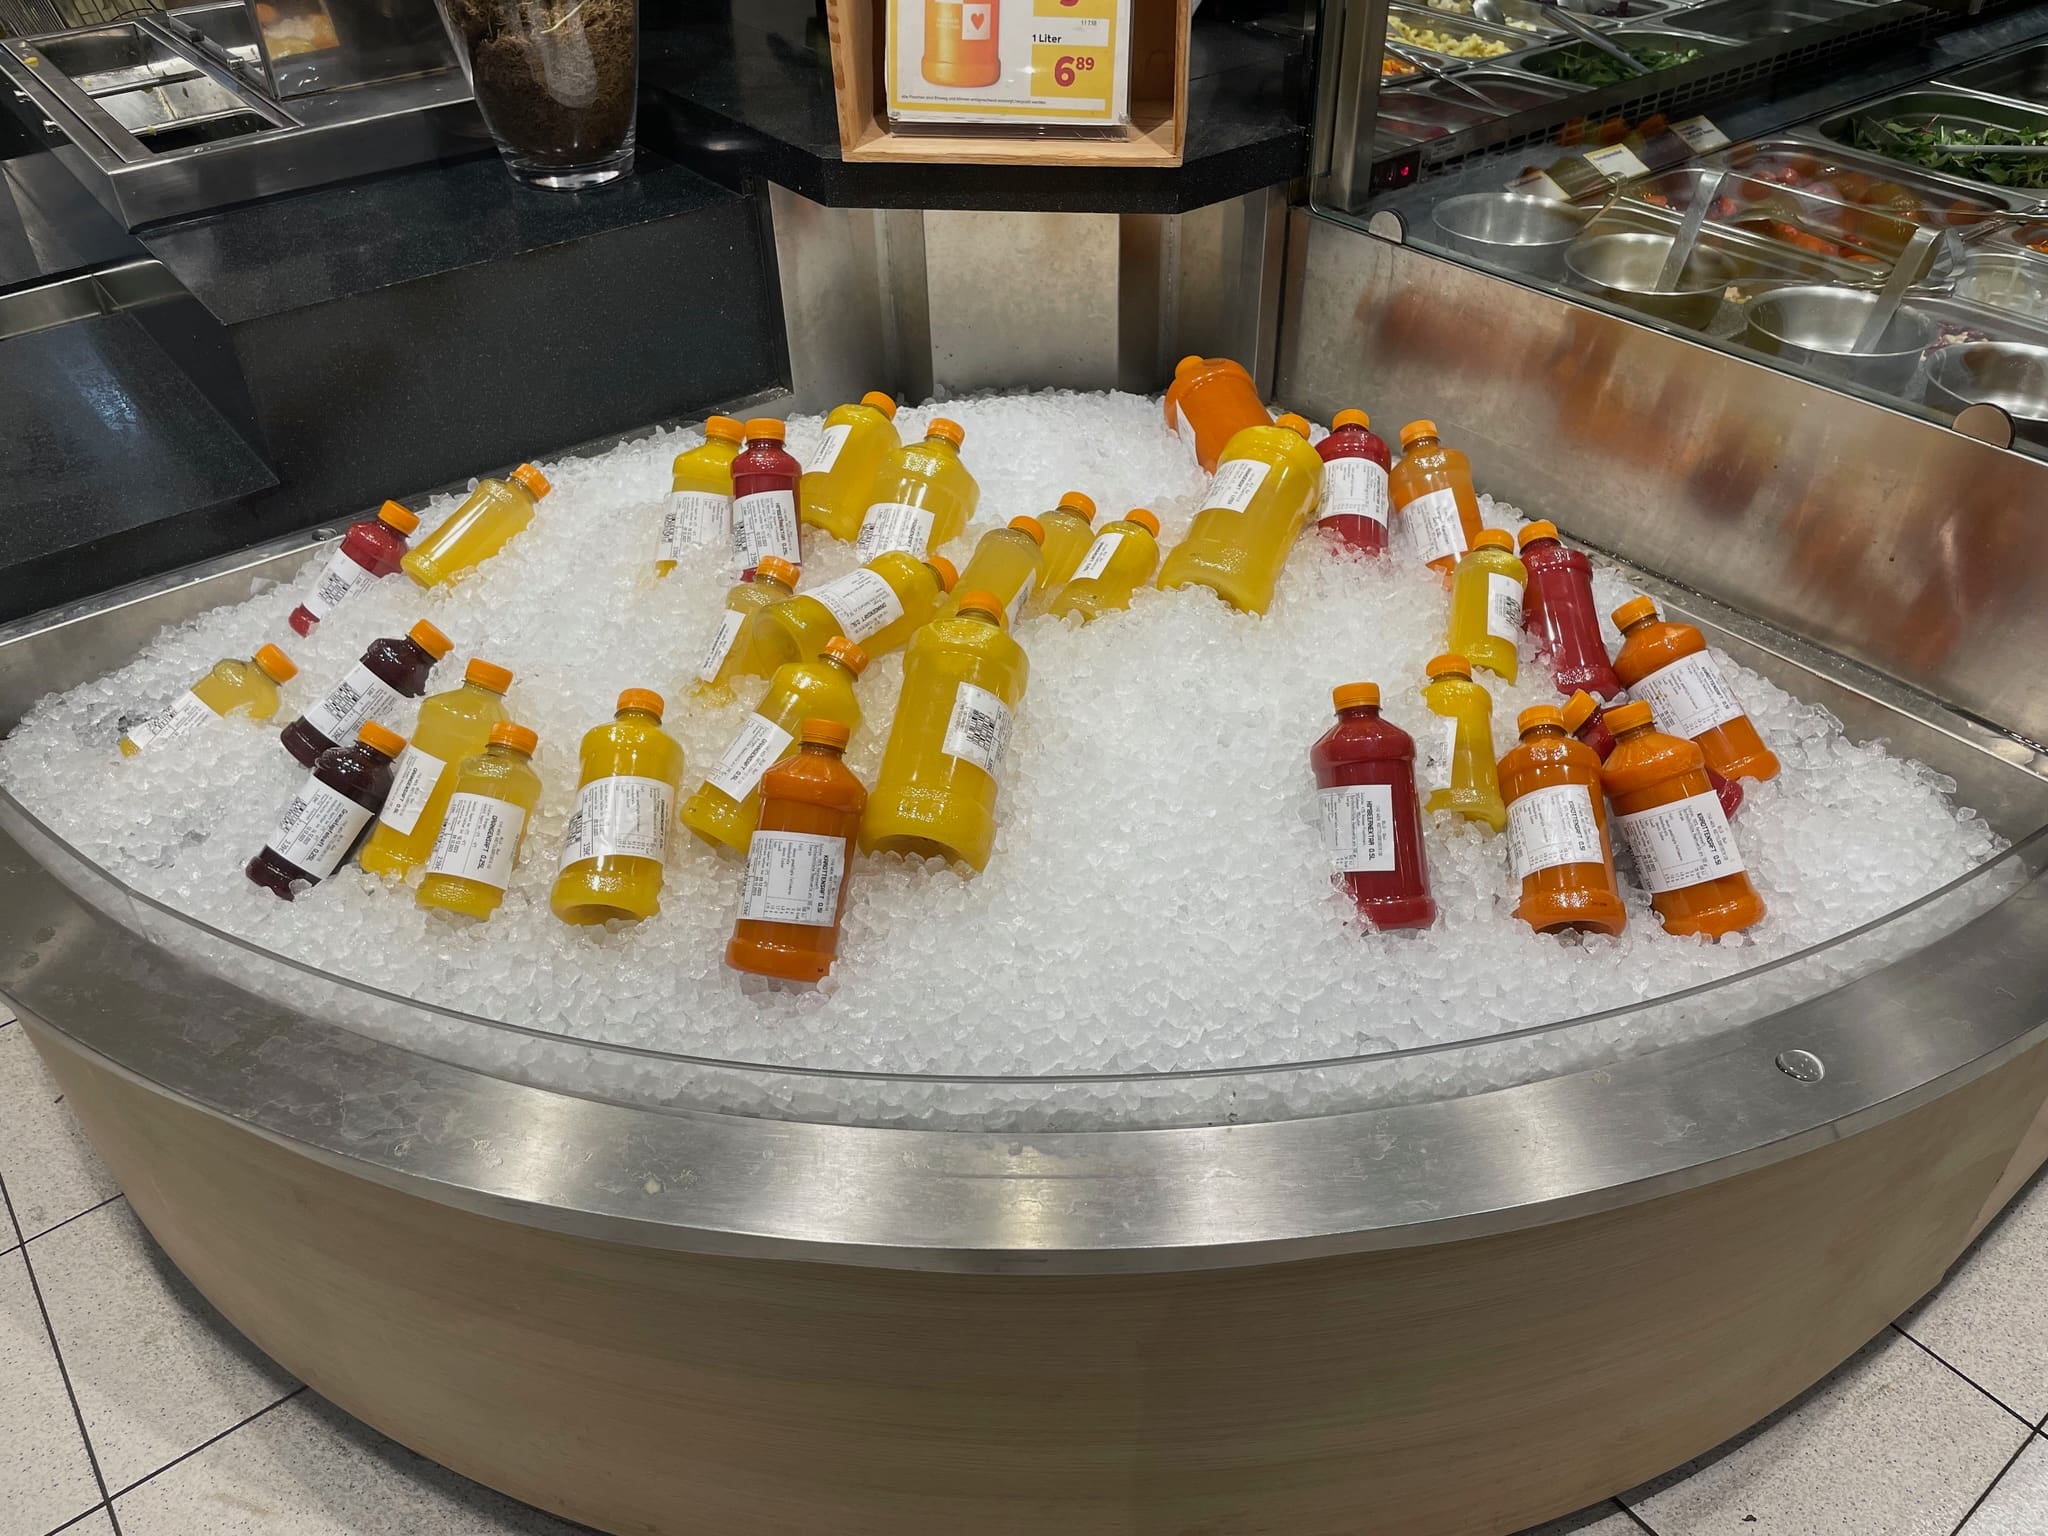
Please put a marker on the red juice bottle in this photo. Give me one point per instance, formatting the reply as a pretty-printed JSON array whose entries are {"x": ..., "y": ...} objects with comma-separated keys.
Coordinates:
[
  {"x": 764, "y": 481},
  {"x": 1557, "y": 608},
  {"x": 1372, "y": 827},
  {"x": 369, "y": 551},
  {"x": 391, "y": 669},
  {"x": 328, "y": 816},
  {"x": 1354, "y": 508},
  {"x": 1586, "y": 718}
]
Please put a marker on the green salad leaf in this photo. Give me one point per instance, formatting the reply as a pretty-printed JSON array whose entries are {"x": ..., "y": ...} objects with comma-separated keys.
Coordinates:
[{"x": 1946, "y": 147}]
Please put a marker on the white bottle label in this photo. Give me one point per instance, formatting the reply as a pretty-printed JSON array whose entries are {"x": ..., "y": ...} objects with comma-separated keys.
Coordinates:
[
  {"x": 360, "y": 696},
  {"x": 1689, "y": 696},
  {"x": 318, "y": 828},
  {"x": 479, "y": 839},
  {"x": 979, "y": 730},
  {"x": 893, "y": 525},
  {"x": 622, "y": 815},
  {"x": 1096, "y": 561},
  {"x": 826, "y": 454},
  {"x": 1358, "y": 827},
  {"x": 729, "y": 626},
  {"x": 757, "y": 747},
  {"x": 765, "y": 524},
  {"x": 1235, "y": 483},
  {"x": 412, "y": 784},
  {"x": 175, "y": 719},
  {"x": 793, "y": 877},
  {"x": 1436, "y": 754},
  {"x": 1503, "y": 607},
  {"x": 1551, "y": 826},
  {"x": 1185, "y": 431},
  {"x": 1015, "y": 611},
  {"x": 862, "y": 602},
  {"x": 1354, "y": 488},
  {"x": 1435, "y": 525},
  {"x": 695, "y": 520},
  {"x": 340, "y": 579},
  {"x": 1681, "y": 844}
]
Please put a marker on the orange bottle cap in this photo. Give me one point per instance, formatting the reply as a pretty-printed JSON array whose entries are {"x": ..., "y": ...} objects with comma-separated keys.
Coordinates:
[
  {"x": 1493, "y": 538},
  {"x": 275, "y": 665},
  {"x": 520, "y": 738},
  {"x": 382, "y": 738},
  {"x": 1634, "y": 611},
  {"x": 487, "y": 674},
  {"x": 1187, "y": 365},
  {"x": 847, "y": 654},
  {"x": 1538, "y": 714},
  {"x": 533, "y": 480},
  {"x": 1578, "y": 709},
  {"x": 1450, "y": 664},
  {"x": 430, "y": 639},
  {"x": 1415, "y": 431},
  {"x": 725, "y": 427},
  {"x": 1079, "y": 503},
  {"x": 1351, "y": 418},
  {"x": 1030, "y": 525},
  {"x": 642, "y": 698},
  {"x": 982, "y": 602},
  {"x": 949, "y": 573},
  {"x": 396, "y": 516},
  {"x": 775, "y": 568},
  {"x": 827, "y": 733},
  {"x": 1355, "y": 695},
  {"x": 1145, "y": 519},
  {"x": 764, "y": 426},
  {"x": 1542, "y": 528},
  {"x": 1626, "y": 717},
  {"x": 947, "y": 428},
  {"x": 1293, "y": 423},
  {"x": 886, "y": 404}
]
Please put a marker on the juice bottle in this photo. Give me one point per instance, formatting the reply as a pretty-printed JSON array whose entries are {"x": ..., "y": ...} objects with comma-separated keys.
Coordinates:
[
  {"x": 1120, "y": 561},
  {"x": 1666, "y": 666},
  {"x": 794, "y": 893},
  {"x": 368, "y": 552},
  {"x": 391, "y": 669},
  {"x": 841, "y": 471},
  {"x": 922, "y": 498},
  {"x": 1210, "y": 401},
  {"x": 1672, "y": 823},
  {"x": 1456, "y": 772},
  {"x": 1069, "y": 530},
  {"x": 1432, "y": 490},
  {"x": 764, "y": 480},
  {"x": 1259, "y": 499},
  {"x": 1558, "y": 610},
  {"x": 453, "y": 727},
  {"x": 1354, "y": 508},
  {"x": 1365, "y": 802},
  {"x": 229, "y": 686},
  {"x": 727, "y": 804},
  {"x": 1557, "y": 830},
  {"x": 494, "y": 796},
  {"x": 698, "y": 514},
  {"x": 1586, "y": 718},
  {"x": 478, "y": 529},
  {"x": 1486, "y": 604},
  {"x": 617, "y": 841},
  {"x": 962, "y": 682},
  {"x": 1006, "y": 563},
  {"x": 725, "y": 657},
  {"x": 321, "y": 823},
  {"x": 877, "y": 606},
  {"x": 961, "y": 38}
]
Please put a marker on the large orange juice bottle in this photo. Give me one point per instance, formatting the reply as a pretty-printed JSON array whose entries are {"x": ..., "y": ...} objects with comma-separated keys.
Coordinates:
[
  {"x": 1671, "y": 822},
  {"x": 495, "y": 793},
  {"x": 1454, "y": 763},
  {"x": 794, "y": 894},
  {"x": 698, "y": 514},
  {"x": 729, "y": 652},
  {"x": 453, "y": 727},
  {"x": 878, "y": 607},
  {"x": 1120, "y": 561},
  {"x": 1486, "y": 604},
  {"x": 962, "y": 41},
  {"x": 840, "y": 472},
  {"x": 1006, "y": 563},
  {"x": 1665, "y": 665},
  {"x": 922, "y": 498},
  {"x": 1557, "y": 829},
  {"x": 1432, "y": 492},
  {"x": 1210, "y": 401},
  {"x": 1069, "y": 530},
  {"x": 497, "y": 510},
  {"x": 230, "y": 686},
  {"x": 617, "y": 842},
  {"x": 1258, "y": 502}
]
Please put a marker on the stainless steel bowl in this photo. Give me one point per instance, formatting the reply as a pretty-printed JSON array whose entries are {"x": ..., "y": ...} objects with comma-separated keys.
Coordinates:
[
  {"x": 2007, "y": 374},
  {"x": 1511, "y": 229},
  {"x": 1624, "y": 269},
  {"x": 1816, "y": 326}
]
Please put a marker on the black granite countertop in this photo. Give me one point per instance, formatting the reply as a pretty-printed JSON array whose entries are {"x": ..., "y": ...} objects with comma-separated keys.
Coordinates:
[{"x": 50, "y": 226}]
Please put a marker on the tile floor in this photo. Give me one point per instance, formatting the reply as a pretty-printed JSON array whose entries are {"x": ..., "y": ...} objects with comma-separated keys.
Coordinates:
[{"x": 127, "y": 1405}]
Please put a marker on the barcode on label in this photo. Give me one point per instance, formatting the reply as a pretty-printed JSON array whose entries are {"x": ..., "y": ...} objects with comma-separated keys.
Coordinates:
[
  {"x": 793, "y": 877},
  {"x": 729, "y": 626},
  {"x": 1235, "y": 483},
  {"x": 862, "y": 602},
  {"x": 1681, "y": 844},
  {"x": 826, "y": 454},
  {"x": 360, "y": 696},
  {"x": 339, "y": 581},
  {"x": 175, "y": 719},
  {"x": 1358, "y": 827},
  {"x": 1689, "y": 696},
  {"x": 893, "y": 525},
  {"x": 1435, "y": 526},
  {"x": 1097, "y": 559},
  {"x": 979, "y": 730},
  {"x": 765, "y": 524},
  {"x": 479, "y": 839},
  {"x": 1503, "y": 607},
  {"x": 1354, "y": 488},
  {"x": 318, "y": 828},
  {"x": 412, "y": 786},
  {"x": 1551, "y": 826},
  {"x": 695, "y": 520}
]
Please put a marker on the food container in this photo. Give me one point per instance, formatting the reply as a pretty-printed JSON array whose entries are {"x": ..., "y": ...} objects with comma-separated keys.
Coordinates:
[
  {"x": 2011, "y": 280},
  {"x": 1954, "y": 109},
  {"x": 1412, "y": 115},
  {"x": 1815, "y": 327},
  {"x": 1509, "y": 89},
  {"x": 2007, "y": 374},
  {"x": 1752, "y": 19},
  {"x": 1868, "y": 181},
  {"x": 1525, "y": 16},
  {"x": 557, "y": 82},
  {"x": 1511, "y": 229},
  {"x": 1623, "y": 269},
  {"x": 1581, "y": 64},
  {"x": 1789, "y": 231},
  {"x": 1479, "y": 43},
  {"x": 2018, "y": 77}
]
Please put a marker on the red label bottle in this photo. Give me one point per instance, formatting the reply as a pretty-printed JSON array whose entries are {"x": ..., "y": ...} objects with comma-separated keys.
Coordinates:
[
  {"x": 1557, "y": 608},
  {"x": 764, "y": 482},
  {"x": 1372, "y": 827},
  {"x": 368, "y": 552},
  {"x": 1355, "y": 506}
]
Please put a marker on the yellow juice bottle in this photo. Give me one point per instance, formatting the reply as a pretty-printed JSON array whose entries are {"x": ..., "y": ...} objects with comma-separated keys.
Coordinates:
[
  {"x": 1069, "y": 530},
  {"x": 877, "y": 606},
  {"x": 727, "y": 804},
  {"x": 1006, "y": 563},
  {"x": 478, "y": 529},
  {"x": 962, "y": 682},
  {"x": 1259, "y": 500},
  {"x": 1455, "y": 767},
  {"x": 617, "y": 842},
  {"x": 729, "y": 652},
  {"x": 454, "y": 727},
  {"x": 922, "y": 497},
  {"x": 1120, "y": 561},
  {"x": 230, "y": 686},
  {"x": 494, "y": 795},
  {"x": 840, "y": 473},
  {"x": 1486, "y": 603},
  {"x": 698, "y": 514}
]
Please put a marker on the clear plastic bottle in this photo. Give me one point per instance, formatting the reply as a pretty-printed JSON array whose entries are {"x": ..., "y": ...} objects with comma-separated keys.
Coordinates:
[
  {"x": 1354, "y": 510},
  {"x": 1365, "y": 801},
  {"x": 1069, "y": 530},
  {"x": 1432, "y": 492},
  {"x": 1006, "y": 563},
  {"x": 1486, "y": 604},
  {"x": 794, "y": 894},
  {"x": 764, "y": 482},
  {"x": 877, "y": 606},
  {"x": 230, "y": 687},
  {"x": 319, "y": 826},
  {"x": 368, "y": 552},
  {"x": 453, "y": 727},
  {"x": 726, "y": 806},
  {"x": 1586, "y": 718},
  {"x": 698, "y": 513},
  {"x": 1558, "y": 609},
  {"x": 1456, "y": 770},
  {"x": 1210, "y": 401},
  {"x": 841, "y": 472},
  {"x": 496, "y": 512},
  {"x": 1665, "y": 665},
  {"x": 391, "y": 670},
  {"x": 616, "y": 846},
  {"x": 923, "y": 497},
  {"x": 1558, "y": 847},
  {"x": 494, "y": 796},
  {"x": 963, "y": 680},
  {"x": 729, "y": 653},
  {"x": 1258, "y": 502},
  {"x": 1121, "y": 560}
]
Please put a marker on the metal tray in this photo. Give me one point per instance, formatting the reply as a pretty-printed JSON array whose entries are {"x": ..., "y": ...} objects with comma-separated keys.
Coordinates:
[
  {"x": 1410, "y": 114},
  {"x": 1534, "y": 18},
  {"x": 1419, "y": 16},
  {"x": 1954, "y": 106},
  {"x": 2020, "y": 77},
  {"x": 1988, "y": 324},
  {"x": 1534, "y": 59},
  {"x": 1511, "y": 90},
  {"x": 1753, "y": 19},
  {"x": 1882, "y": 237},
  {"x": 1967, "y": 204}
]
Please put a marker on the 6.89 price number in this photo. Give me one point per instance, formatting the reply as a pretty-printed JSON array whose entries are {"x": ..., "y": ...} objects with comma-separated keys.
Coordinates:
[{"x": 1068, "y": 67}]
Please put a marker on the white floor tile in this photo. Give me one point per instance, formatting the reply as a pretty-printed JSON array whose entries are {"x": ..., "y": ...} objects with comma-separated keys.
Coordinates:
[
  {"x": 51, "y": 1170},
  {"x": 1989, "y": 1319},
  {"x": 45, "y": 1478},
  {"x": 1893, "y": 1444},
  {"x": 98, "y": 1523},
  {"x": 1606, "y": 1519},
  {"x": 157, "y": 1371},
  {"x": 309, "y": 1469},
  {"x": 2018, "y": 1505}
]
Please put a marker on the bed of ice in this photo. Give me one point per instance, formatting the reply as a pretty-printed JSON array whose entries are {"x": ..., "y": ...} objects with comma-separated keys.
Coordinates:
[{"x": 1158, "y": 902}]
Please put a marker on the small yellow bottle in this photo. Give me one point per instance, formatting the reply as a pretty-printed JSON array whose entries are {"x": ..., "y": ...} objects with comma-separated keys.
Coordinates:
[
  {"x": 1454, "y": 760},
  {"x": 727, "y": 804},
  {"x": 922, "y": 498},
  {"x": 936, "y": 794},
  {"x": 478, "y": 529},
  {"x": 840, "y": 473},
  {"x": 617, "y": 842},
  {"x": 698, "y": 514},
  {"x": 495, "y": 793},
  {"x": 1261, "y": 497},
  {"x": 1069, "y": 530},
  {"x": 878, "y": 607},
  {"x": 728, "y": 655},
  {"x": 229, "y": 687},
  {"x": 454, "y": 726},
  {"x": 1486, "y": 604},
  {"x": 1120, "y": 561},
  {"x": 1006, "y": 563}
]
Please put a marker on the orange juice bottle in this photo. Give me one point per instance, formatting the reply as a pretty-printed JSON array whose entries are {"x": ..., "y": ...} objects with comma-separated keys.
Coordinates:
[
  {"x": 496, "y": 511},
  {"x": 922, "y": 498},
  {"x": 453, "y": 727},
  {"x": 1259, "y": 500},
  {"x": 1120, "y": 561},
  {"x": 1432, "y": 492},
  {"x": 1671, "y": 821},
  {"x": 1486, "y": 604},
  {"x": 1210, "y": 401},
  {"x": 1007, "y": 563},
  {"x": 1454, "y": 765},
  {"x": 878, "y": 607},
  {"x": 833, "y": 494},
  {"x": 495, "y": 793},
  {"x": 1069, "y": 530},
  {"x": 698, "y": 514},
  {"x": 1557, "y": 830},
  {"x": 617, "y": 842},
  {"x": 725, "y": 656},
  {"x": 1665, "y": 665},
  {"x": 961, "y": 42},
  {"x": 794, "y": 893},
  {"x": 248, "y": 686}
]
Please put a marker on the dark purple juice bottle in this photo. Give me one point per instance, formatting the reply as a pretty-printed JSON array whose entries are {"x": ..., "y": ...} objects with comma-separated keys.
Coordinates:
[
  {"x": 1354, "y": 505},
  {"x": 328, "y": 816},
  {"x": 391, "y": 669},
  {"x": 1371, "y": 824},
  {"x": 1557, "y": 608}
]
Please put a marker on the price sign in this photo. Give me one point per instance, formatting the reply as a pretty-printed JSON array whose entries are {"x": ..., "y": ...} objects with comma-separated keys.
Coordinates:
[
  {"x": 1617, "y": 162},
  {"x": 1700, "y": 134}
]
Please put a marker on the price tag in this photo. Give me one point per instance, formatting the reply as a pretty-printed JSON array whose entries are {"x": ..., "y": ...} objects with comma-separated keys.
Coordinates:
[
  {"x": 1534, "y": 183},
  {"x": 1700, "y": 134},
  {"x": 1617, "y": 162}
]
